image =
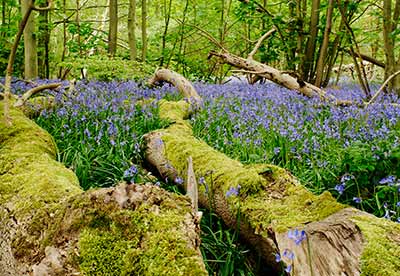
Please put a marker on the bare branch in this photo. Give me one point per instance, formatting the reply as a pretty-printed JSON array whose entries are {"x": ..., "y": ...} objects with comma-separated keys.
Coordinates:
[
  {"x": 21, "y": 101},
  {"x": 382, "y": 87},
  {"x": 369, "y": 59},
  {"x": 191, "y": 186},
  {"x": 260, "y": 41},
  {"x": 207, "y": 35}
]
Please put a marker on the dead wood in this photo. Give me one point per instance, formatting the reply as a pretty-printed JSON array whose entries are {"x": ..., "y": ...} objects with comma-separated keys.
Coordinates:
[
  {"x": 50, "y": 226},
  {"x": 22, "y": 100},
  {"x": 331, "y": 238},
  {"x": 271, "y": 74}
]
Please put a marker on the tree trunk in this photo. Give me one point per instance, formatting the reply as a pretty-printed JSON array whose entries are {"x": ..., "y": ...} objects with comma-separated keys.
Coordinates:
[
  {"x": 270, "y": 205},
  {"x": 113, "y": 28},
  {"x": 167, "y": 16},
  {"x": 389, "y": 41},
  {"x": 132, "y": 29},
  {"x": 270, "y": 73},
  {"x": 43, "y": 44},
  {"x": 49, "y": 226},
  {"x": 30, "y": 49},
  {"x": 144, "y": 30},
  {"x": 308, "y": 61},
  {"x": 324, "y": 46}
]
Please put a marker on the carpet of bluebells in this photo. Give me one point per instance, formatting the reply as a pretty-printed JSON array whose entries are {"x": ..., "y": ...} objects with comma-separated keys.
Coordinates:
[{"x": 351, "y": 151}]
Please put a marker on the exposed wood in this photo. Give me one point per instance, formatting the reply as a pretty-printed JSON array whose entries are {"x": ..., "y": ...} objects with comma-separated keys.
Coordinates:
[
  {"x": 271, "y": 74},
  {"x": 22, "y": 100},
  {"x": 382, "y": 88},
  {"x": 50, "y": 226},
  {"x": 331, "y": 238},
  {"x": 183, "y": 85},
  {"x": 259, "y": 42}
]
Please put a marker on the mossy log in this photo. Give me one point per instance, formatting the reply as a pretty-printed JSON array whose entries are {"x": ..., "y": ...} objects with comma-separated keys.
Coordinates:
[
  {"x": 337, "y": 239},
  {"x": 50, "y": 226}
]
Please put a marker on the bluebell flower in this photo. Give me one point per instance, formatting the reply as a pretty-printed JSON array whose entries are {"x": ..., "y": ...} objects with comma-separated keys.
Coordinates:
[
  {"x": 288, "y": 269},
  {"x": 278, "y": 257},
  {"x": 389, "y": 180},
  {"x": 233, "y": 191},
  {"x": 340, "y": 188},
  {"x": 357, "y": 199},
  {"x": 179, "y": 180}
]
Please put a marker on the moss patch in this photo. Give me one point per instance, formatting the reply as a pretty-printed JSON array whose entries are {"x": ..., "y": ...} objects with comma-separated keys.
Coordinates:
[
  {"x": 269, "y": 195},
  {"x": 381, "y": 253},
  {"x": 149, "y": 240}
]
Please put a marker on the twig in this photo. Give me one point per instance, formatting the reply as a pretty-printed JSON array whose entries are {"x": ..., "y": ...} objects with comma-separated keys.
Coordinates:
[
  {"x": 191, "y": 187},
  {"x": 207, "y": 35},
  {"x": 21, "y": 101},
  {"x": 260, "y": 41},
  {"x": 382, "y": 87}
]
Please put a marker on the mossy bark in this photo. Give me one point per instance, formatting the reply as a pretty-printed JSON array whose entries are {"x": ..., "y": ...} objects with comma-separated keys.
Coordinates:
[
  {"x": 340, "y": 240},
  {"x": 50, "y": 226}
]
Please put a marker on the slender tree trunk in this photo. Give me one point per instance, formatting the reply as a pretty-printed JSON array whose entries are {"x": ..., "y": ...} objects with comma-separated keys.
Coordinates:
[
  {"x": 43, "y": 44},
  {"x": 132, "y": 28},
  {"x": 167, "y": 16},
  {"x": 144, "y": 30},
  {"x": 113, "y": 28},
  {"x": 181, "y": 56},
  {"x": 389, "y": 42},
  {"x": 30, "y": 48},
  {"x": 324, "y": 46},
  {"x": 3, "y": 15},
  {"x": 308, "y": 61}
]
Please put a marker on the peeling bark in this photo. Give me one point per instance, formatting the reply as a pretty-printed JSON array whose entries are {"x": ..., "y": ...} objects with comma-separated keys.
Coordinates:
[
  {"x": 337, "y": 240},
  {"x": 271, "y": 74},
  {"x": 50, "y": 226}
]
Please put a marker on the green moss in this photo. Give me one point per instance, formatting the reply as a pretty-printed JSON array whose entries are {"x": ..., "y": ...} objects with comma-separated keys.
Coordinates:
[
  {"x": 381, "y": 252},
  {"x": 270, "y": 196},
  {"x": 174, "y": 111},
  {"x": 146, "y": 241},
  {"x": 29, "y": 175}
]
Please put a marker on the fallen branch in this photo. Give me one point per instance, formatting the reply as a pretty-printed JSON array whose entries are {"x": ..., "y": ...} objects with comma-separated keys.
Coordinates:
[
  {"x": 22, "y": 100},
  {"x": 259, "y": 42},
  {"x": 183, "y": 85},
  {"x": 381, "y": 88},
  {"x": 331, "y": 238},
  {"x": 271, "y": 74}
]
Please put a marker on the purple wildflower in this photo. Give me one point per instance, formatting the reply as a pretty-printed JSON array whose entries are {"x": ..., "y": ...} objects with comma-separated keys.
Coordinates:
[
  {"x": 357, "y": 199},
  {"x": 340, "y": 188},
  {"x": 233, "y": 191}
]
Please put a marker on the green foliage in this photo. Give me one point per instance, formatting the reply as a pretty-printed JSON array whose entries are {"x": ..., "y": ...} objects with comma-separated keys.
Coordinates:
[{"x": 104, "y": 68}]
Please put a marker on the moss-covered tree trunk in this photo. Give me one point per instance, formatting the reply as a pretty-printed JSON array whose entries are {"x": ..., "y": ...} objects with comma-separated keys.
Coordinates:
[
  {"x": 314, "y": 235},
  {"x": 49, "y": 226}
]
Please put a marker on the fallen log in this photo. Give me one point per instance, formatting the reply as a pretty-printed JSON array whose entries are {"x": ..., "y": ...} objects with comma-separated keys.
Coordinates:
[
  {"x": 278, "y": 217},
  {"x": 270, "y": 73},
  {"x": 50, "y": 226}
]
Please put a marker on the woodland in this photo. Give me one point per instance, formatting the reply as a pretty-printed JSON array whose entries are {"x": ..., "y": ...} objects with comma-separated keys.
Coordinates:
[{"x": 194, "y": 137}]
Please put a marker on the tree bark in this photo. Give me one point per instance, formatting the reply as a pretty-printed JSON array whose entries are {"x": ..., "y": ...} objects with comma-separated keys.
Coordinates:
[
  {"x": 271, "y": 74},
  {"x": 308, "y": 61},
  {"x": 389, "y": 42},
  {"x": 30, "y": 48},
  {"x": 144, "y": 30},
  {"x": 271, "y": 204},
  {"x": 167, "y": 16},
  {"x": 43, "y": 44},
  {"x": 50, "y": 226},
  {"x": 132, "y": 29},
  {"x": 324, "y": 47},
  {"x": 113, "y": 28}
]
